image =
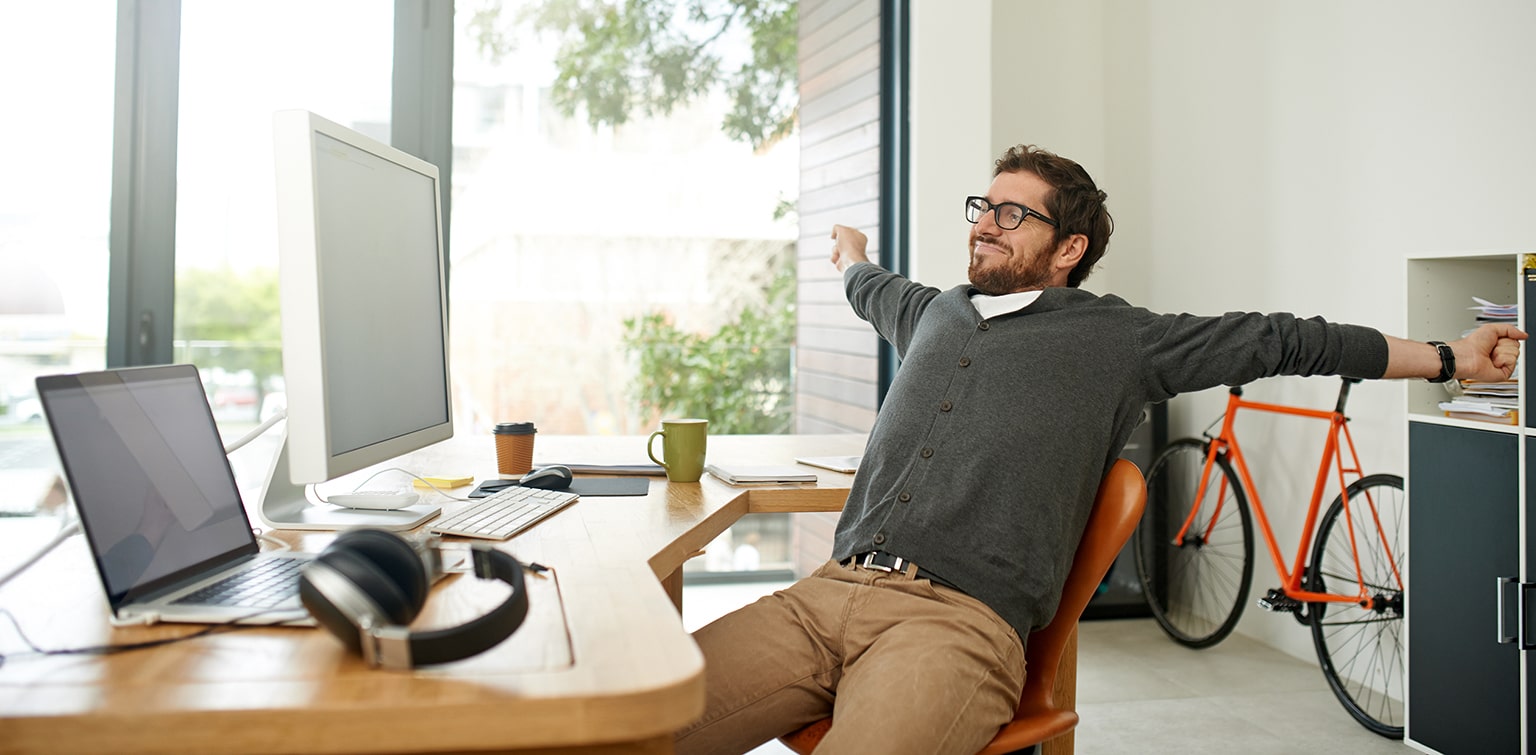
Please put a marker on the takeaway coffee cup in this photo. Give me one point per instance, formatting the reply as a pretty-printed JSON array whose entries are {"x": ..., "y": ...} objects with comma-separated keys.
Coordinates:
[
  {"x": 514, "y": 448},
  {"x": 682, "y": 448}
]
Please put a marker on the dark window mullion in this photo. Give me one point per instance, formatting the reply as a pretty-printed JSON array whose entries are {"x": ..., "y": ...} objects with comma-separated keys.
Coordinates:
[
  {"x": 142, "y": 241},
  {"x": 894, "y": 151}
]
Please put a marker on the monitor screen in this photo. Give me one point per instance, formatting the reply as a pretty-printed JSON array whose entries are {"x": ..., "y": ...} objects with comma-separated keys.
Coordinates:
[
  {"x": 364, "y": 299},
  {"x": 380, "y": 296}
]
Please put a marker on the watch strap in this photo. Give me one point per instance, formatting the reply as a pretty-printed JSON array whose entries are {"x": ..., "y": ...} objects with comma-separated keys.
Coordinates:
[{"x": 1447, "y": 362}]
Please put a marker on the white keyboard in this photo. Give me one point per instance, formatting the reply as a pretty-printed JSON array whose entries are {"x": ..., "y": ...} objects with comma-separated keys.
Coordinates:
[{"x": 504, "y": 514}]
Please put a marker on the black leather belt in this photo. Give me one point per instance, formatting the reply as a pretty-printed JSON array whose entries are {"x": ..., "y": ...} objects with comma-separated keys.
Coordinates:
[{"x": 882, "y": 561}]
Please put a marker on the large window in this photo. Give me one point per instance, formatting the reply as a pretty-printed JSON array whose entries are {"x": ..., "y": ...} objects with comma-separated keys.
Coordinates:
[
  {"x": 613, "y": 266},
  {"x": 605, "y": 271},
  {"x": 57, "y": 63},
  {"x": 237, "y": 68}
]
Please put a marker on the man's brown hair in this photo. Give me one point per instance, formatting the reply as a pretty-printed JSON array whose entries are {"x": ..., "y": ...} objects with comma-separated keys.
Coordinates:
[{"x": 1075, "y": 202}]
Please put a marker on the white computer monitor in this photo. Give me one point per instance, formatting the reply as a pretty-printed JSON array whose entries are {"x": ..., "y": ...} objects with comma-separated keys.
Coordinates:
[{"x": 363, "y": 287}]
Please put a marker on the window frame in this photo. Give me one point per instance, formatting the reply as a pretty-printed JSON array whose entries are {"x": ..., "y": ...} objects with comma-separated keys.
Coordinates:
[{"x": 141, "y": 280}]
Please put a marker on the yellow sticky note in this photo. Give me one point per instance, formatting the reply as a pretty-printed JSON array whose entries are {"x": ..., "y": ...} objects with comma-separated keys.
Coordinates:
[{"x": 443, "y": 482}]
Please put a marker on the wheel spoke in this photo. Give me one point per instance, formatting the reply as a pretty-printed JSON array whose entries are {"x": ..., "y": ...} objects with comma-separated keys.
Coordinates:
[
  {"x": 1196, "y": 589},
  {"x": 1361, "y": 650}
]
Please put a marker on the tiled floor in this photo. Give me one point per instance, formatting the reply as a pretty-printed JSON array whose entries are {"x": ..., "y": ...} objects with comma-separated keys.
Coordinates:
[{"x": 1139, "y": 692}]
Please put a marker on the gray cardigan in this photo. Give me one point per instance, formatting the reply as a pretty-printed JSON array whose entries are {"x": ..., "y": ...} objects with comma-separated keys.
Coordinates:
[{"x": 985, "y": 457}]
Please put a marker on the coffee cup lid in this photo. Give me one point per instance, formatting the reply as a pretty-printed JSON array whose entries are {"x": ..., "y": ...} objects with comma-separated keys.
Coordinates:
[{"x": 514, "y": 428}]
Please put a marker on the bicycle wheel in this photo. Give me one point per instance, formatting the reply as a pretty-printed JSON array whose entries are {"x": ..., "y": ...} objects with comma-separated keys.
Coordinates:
[
  {"x": 1196, "y": 590},
  {"x": 1361, "y": 649}
]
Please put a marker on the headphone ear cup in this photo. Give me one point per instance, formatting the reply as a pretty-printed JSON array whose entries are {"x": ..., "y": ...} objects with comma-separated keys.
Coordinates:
[
  {"x": 398, "y": 561},
  {"x": 328, "y": 615},
  {"x": 375, "y": 569}
]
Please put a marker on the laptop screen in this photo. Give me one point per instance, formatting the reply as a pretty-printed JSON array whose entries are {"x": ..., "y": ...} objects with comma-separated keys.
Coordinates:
[{"x": 147, "y": 468}]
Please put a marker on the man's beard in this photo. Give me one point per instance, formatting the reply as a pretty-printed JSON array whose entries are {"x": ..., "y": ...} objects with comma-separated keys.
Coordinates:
[{"x": 1016, "y": 273}]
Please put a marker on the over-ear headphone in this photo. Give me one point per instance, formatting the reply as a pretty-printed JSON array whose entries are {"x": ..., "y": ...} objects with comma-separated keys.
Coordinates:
[{"x": 367, "y": 586}]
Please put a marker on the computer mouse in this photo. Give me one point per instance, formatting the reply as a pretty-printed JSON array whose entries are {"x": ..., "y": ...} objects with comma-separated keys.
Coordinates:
[{"x": 552, "y": 477}]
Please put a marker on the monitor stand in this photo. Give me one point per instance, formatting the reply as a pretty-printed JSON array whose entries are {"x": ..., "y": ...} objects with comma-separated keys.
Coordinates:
[{"x": 286, "y": 506}]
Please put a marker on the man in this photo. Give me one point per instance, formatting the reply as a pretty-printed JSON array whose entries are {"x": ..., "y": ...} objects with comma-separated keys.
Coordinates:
[{"x": 1015, "y": 395}]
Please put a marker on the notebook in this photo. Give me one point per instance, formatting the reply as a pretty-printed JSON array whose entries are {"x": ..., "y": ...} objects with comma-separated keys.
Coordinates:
[
  {"x": 759, "y": 474},
  {"x": 157, "y": 499}
]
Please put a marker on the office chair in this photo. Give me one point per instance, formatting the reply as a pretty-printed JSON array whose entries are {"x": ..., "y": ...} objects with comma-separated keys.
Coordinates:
[{"x": 1116, "y": 510}]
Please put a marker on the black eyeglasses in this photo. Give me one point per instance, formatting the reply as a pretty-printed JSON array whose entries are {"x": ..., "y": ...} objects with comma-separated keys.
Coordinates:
[{"x": 1010, "y": 215}]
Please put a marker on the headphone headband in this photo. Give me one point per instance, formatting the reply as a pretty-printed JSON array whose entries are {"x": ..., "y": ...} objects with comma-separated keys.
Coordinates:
[{"x": 477, "y": 635}]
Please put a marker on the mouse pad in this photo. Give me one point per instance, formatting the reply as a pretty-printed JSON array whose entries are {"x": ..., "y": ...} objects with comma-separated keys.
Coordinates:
[
  {"x": 600, "y": 486},
  {"x": 583, "y": 486}
]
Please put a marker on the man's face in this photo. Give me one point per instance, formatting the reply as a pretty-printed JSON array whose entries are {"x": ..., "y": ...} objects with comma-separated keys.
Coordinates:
[{"x": 1023, "y": 259}]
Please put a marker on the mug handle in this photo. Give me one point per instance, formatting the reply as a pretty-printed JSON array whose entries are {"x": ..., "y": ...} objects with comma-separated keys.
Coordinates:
[{"x": 650, "y": 444}]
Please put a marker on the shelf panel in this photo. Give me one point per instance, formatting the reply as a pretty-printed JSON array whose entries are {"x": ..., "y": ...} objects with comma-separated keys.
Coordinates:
[{"x": 1440, "y": 419}]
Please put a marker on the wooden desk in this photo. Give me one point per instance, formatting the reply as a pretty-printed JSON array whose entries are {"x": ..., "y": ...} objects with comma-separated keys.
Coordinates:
[{"x": 601, "y": 665}]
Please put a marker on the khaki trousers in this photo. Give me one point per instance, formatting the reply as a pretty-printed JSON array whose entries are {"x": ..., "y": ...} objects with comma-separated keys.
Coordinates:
[{"x": 902, "y": 665}]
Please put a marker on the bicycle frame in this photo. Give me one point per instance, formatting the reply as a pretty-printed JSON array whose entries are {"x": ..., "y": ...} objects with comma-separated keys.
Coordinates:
[{"x": 1333, "y": 457}]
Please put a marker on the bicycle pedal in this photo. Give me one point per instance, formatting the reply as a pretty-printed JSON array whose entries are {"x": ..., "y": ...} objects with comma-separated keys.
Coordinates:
[{"x": 1276, "y": 600}]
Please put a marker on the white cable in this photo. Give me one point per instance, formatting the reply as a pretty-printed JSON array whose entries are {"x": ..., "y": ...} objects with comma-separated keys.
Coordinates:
[
  {"x": 277, "y": 545},
  {"x": 65, "y": 531},
  {"x": 424, "y": 481},
  {"x": 261, "y": 428}
]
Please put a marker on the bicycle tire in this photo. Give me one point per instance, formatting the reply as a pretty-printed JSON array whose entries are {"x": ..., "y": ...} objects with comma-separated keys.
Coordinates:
[
  {"x": 1361, "y": 650},
  {"x": 1196, "y": 591}
]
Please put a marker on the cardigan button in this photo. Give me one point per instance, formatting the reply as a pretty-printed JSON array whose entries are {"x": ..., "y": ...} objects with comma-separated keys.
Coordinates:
[
  {"x": 927, "y": 453},
  {"x": 904, "y": 497},
  {"x": 965, "y": 361},
  {"x": 945, "y": 406},
  {"x": 983, "y": 326},
  {"x": 880, "y": 538}
]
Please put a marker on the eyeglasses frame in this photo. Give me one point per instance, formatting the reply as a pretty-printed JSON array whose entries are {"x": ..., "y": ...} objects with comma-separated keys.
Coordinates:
[{"x": 998, "y": 216}]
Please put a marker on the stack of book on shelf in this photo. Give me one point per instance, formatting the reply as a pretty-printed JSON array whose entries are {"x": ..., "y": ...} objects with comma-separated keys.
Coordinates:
[{"x": 1498, "y": 403}]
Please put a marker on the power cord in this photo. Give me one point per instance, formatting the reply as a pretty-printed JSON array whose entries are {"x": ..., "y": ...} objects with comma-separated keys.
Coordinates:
[
  {"x": 229, "y": 626},
  {"x": 68, "y": 528},
  {"x": 277, "y": 417},
  {"x": 277, "y": 545}
]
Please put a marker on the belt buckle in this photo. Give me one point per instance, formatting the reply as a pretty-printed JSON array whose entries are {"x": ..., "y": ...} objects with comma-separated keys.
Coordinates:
[{"x": 868, "y": 562}]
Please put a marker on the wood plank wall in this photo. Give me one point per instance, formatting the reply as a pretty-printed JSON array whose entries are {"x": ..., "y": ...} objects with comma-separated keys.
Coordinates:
[{"x": 836, "y": 369}]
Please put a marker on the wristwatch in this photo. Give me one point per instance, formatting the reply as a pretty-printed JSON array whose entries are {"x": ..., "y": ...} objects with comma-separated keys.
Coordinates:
[{"x": 1447, "y": 362}]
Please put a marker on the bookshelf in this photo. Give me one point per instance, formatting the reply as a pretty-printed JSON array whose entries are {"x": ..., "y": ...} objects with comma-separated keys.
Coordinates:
[
  {"x": 1440, "y": 290},
  {"x": 1469, "y": 679}
]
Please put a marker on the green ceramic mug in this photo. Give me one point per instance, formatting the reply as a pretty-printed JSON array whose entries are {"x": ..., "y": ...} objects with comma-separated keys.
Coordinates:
[{"x": 682, "y": 448}]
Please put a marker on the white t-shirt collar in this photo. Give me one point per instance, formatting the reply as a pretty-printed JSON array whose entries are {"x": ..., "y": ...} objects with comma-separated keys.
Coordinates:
[{"x": 991, "y": 306}]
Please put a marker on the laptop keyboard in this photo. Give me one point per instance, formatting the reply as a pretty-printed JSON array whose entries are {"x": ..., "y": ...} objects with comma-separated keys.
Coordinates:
[
  {"x": 268, "y": 584},
  {"x": 504, "y": 514}
]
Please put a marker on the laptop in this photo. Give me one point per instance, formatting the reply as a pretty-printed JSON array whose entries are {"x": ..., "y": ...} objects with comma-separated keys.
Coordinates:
[{"x": 156, "y": 497}]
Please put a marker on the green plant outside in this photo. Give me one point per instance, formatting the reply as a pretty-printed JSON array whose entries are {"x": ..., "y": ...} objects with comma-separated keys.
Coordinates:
[{"x": 739, "y": 378}]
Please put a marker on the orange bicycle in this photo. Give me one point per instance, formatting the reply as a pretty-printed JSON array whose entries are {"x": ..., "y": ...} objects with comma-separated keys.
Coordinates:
[{"x": 1194, "y": 554}]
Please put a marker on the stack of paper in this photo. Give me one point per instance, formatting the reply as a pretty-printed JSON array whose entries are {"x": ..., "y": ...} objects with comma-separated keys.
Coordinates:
[
  {"x": 1486, "y": 402},
  {"x": 1488, "y": 311}
]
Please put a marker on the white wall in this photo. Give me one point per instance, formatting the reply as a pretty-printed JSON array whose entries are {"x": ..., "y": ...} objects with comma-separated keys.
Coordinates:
[
  {"x": 951, "y": 91},
  {"x": 1274, "y": 157}
]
